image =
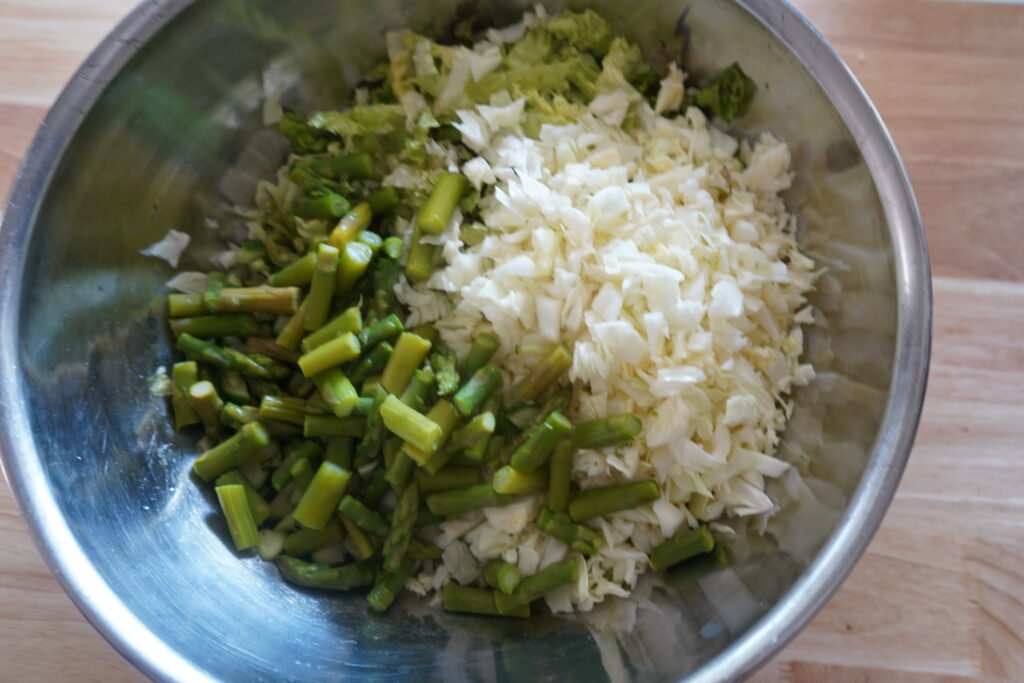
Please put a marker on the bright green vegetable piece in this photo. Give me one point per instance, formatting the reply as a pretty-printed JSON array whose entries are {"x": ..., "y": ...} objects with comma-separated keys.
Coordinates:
[
  {"x": 402, "y": 524},
  {"x": 501, "y": 576},
  {"x": 355, "y": 259},
  {"x": 210, "y": 326},
  {"x": 324, "y": 206},
  {"x": 560, "y": 477},
  {"x": 350, "y": 225},
  {"x": 335, "y": 352},
  {"x": 480, "y": 353},
  {"x": 388, "y": 586},
  {"x": 682, "y": 547},
  {"x": 728, "y": 95},
  {"x": 540, "y": 441},
  {"x": 207, "y": 405},
  {"x": 291, "y": 334},
  {"x": 420, "y": 549},
  {"x": 183, "y": 376},
  {"x": 235, "y": 505},
  {"x": 418, "y": 389},
  {"x": 609, "y": 499},
  {"x": 277, "y": 300},
  {"x": 181, "y": 305},
  {"x": 322, "y": 496},
  {"x": 370, "y": 239},
  {"x": 457, "y": 501},
  {"x": 337, "y": 391},
  {"x": 445, "y": 372},
  {"x": 576, "y": 536},
  {"x": 435, "y": 214},
  {"x": 220, "y": 357},
  {"x": 392, "y": 248},
  {"x": 332, "y": 578},
  {"x": 339, "y": 451},
  {"x": 554, "y": 365},
  {"x": 421, "y": 258},
  {"x": 362, "y": 546},
  {"x": 510, "y": 480},
  {"x": 298, "y": 273},
  {"x": 385, "y": 277},
  {"x": 447, "y": 417},
  {"x": 303, "y": 542},
  {"x": 257, "y": 505},
  {"x": 318, "y": 304},
  {"x": 476, "y": 601},
  {"x": 607, "y": 431},
  {"x": 385, "y": 329},
  {"x": 355, "y": 166},
  {"x": 480, "y": 427},
  {"x": 351, "y": 320},
  {"x": 363, "y": 517},
  {"x": 328, "y": 425},
  {"x": 447, "y": 479},
  {"x": 383, "y": 201},
  {"x": 283, "y": 409},
  {"x": 533, "y": 587},
  {"x": 410, "y": 351},
  {"x": 413, "y": 427},
  {"x": 475, "y": 391},
  {"x": 235, "y": 389},
  {"x": 231, "y": 453}
]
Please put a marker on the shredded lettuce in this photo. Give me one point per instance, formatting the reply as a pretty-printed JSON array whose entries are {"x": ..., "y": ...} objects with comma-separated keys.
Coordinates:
[
  {"x": 368, "y": 119},
  {"x": 728, "y": 95},
  {"x": 584, "y": 30}
]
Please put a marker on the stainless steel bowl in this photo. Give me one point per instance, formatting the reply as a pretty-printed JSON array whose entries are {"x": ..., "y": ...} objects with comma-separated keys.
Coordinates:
[{"x": 160, "y": 128}]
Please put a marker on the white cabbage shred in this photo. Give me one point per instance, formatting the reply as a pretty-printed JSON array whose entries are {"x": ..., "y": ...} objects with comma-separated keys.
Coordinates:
[{"x": 665, "y": 258}]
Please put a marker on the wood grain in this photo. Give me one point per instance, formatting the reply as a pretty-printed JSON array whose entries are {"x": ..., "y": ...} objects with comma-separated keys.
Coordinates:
[{"x": 939, "y": 595}]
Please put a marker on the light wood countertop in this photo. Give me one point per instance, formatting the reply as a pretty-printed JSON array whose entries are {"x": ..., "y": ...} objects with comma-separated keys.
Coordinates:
[{"x": 940, "y": 591}]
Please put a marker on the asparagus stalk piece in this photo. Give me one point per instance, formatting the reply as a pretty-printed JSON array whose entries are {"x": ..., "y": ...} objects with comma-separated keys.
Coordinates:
[
  {"x": 283, "y": 473},
  {"x": 388, "y": 586},
  {"x": 421, "y": 258},
  {"x": 328, "y": 425},
  {"x": 533, "y": 587},
  {"x": 385, "y": 329},
  {"x": 376, "y": 487},
  {"x": 298, "y": 273},
  {"x": 350, "y": 225},
  {"x": 448, "y": 418},
  {"x": 484, "y": 347},
  {"x": 220, "y": 357},
  {"x": 356, "y": 166},
  {"x": 370, "y": 239},
  {"x": 303, "y": 542},
  {"x": 337, "y": 391},
  {"x": 410, "y": 350},
  {"x": 475, "y": 391},
  {"x": 554, "y": 365},
  {"x": 235, "y": 505},
  {"x": 385, "y": 277},
  {"x": 501, "y": 576},
  {"x": 362, "y": 546},
  {"x": 339, "y": 452},
  {"x": 278, "y": 300},
  {"x": 446, "y": 373},
  {"x": 291, "y": 334},
  {"x": 682, "y": 547},
  {"x": 510, "y": 480},
  {"x": 271, "y": 349},
  {"x": 322, "y": 496},
  {"x": 609, "y": 499},
  {"x": 235, "y": 416},
  {"x": 207, "y": 405},
  {"x": 476, "y": 601},
  {"x": 183, "y": 376},
  {"x": 420, "y": 549},
  {"x": 318, "y": 303},
  {"x": 283, "y": 409},
  {"x": 351, "y": 320},
  {"x": 335, "y": 352},
  {"x": 181, "y": 305},
  {"x": 435, "y": 214},
  {"x": 363, "y": 517},
  {"x": 231, "y": 453},
  {"x": 319, "y": 576},
  {"x": 215, "y": 281},
  {"x": 607, "y": 431},
  {"x": 447, "y": 479},
  {"x": 457, "y": 501},
  {"x": 576, "y": 536},
  {"x": 325, "y": 206},
  {"x": 355, "y": 259},
  {"x": 257, "y": 505},
  {"x": 480, "y": 427},
  {"x": 415, "y": 428},
  {"x": 383, "y": 201},
  {"x": 560, "y": 478},
  {"x": 541, "y": 440},
  {"x": 375, "y": 431},
  {"x": 418, "y": 389},
  {"x": 210, "y": 326},
  {"x": 402, "y": 524}
]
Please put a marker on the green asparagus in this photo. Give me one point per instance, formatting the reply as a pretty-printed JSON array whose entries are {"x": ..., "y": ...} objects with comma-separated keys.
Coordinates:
[
  {"x": 510, "y": 480},
  {"x": 576, "y": 536},
  {"x": 231, "y": 453},
  {"x": 475, "y": 391},
  {"x": 682, "y": 547},
  {"x": 363, "y": 517},
  {"x": 476, "y": 601},
  {"x": 410, "y": 351},
  {"x": 211, "y": 326},
  {"x": 609, "y": 499},
  {"x": 457, "y": 501},
  {"x": 322, "y": 496},
  {"x": 607, "y": 431},
  {"x": 438, "y": 210},
  {"x": 554, "y": 365},
  {"x": 541, "y": 440},
  {"x": 560, "y": 477},
  {"x": 235, "y": 505},
  {"x": 298, "y": 273},
  {"x": 402, "y": 524},
  {"x": 501, "y": 576},
  {"x": 533, "y": 587},
  {"x": 484, "y": 347},
  {"x": 319, "y": 576},
  {"x": 415, "y": 428},
  {"x": 335, "y": 352},
  {"x": 318, "y": 303},
  {"x": 183, "y": 376}
]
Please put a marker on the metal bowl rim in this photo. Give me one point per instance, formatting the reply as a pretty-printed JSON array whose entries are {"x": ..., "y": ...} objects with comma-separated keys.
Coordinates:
[{"x": 101, "y": 606}]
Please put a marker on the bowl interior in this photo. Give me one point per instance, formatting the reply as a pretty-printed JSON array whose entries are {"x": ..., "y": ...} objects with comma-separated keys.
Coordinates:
[{"x": 175, "y": 139}]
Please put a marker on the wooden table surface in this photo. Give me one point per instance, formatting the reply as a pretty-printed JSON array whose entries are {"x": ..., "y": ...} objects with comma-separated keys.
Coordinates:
[{"x": 940, "y": 591}]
